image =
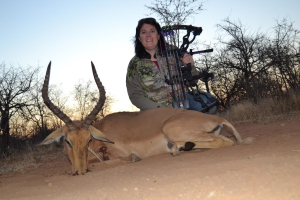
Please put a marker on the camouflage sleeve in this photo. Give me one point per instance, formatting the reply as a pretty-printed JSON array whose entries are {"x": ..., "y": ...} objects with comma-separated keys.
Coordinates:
[{"x": 135, "y": 89}]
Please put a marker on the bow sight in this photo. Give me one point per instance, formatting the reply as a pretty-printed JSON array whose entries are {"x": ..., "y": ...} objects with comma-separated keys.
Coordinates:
[{"x": 180, "y": 76}]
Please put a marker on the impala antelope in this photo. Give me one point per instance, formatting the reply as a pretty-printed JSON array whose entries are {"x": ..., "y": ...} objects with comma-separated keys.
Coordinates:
[{"x": 132, "y": 136}]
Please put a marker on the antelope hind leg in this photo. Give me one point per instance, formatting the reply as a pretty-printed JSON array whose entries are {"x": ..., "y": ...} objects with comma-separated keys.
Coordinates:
[
  {"x": 179, "y": 146},
  {"x": 215, "y": 142},
  {"x": 212, "y": 143},
  {"x": 175, "y": 150}
]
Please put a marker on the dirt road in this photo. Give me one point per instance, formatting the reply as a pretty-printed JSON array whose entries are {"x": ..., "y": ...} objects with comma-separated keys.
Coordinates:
[{"x": 267, "y": 169}]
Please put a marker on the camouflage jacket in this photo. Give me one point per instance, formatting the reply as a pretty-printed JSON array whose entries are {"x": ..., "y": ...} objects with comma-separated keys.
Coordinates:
[{"x": 146, "y": 85}]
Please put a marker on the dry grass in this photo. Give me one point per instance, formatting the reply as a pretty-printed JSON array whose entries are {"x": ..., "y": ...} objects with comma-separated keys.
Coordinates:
[
  {"x": 266, "y": 109},
  {"x": 28, "y": 159}
]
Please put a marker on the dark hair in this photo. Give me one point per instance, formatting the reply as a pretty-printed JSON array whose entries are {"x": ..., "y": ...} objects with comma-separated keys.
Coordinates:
[{"x": 139, "y": 48}]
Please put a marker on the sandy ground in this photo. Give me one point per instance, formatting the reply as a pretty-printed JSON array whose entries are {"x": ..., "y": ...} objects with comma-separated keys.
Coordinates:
[{"x": 267, "y": 169}]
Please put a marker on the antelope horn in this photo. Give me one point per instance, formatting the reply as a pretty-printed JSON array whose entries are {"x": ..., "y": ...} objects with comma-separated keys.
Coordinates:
[
  {"x": 89, "y": 119},
  {"x": 69, "y": 123}
]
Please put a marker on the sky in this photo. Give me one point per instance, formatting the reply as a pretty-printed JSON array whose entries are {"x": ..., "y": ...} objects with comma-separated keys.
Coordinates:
[{"x": 72, "y": 33}]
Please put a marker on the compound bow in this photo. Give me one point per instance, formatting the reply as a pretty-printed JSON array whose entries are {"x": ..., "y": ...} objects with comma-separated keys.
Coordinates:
[{"x": 181, "y": 76}]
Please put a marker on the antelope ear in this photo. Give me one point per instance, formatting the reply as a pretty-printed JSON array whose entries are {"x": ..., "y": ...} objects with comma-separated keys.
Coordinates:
[
  {"x": 98, "y": 135},
  {"x": 54, "y": 136}
]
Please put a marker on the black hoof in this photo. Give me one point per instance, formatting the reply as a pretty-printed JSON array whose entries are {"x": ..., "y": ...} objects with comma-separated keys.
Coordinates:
[{"x": 188, "y": 146}]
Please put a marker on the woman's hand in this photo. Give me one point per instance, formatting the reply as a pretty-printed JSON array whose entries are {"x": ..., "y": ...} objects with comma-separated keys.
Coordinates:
[{"x": 187, "y": 58}]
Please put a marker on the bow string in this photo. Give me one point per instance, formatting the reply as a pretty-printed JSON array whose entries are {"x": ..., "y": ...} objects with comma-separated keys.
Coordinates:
[{"x": 179, "y": 76}]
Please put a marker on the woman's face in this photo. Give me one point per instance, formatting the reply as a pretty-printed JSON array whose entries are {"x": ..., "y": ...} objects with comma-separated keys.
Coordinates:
[{"x": 149, "y": 37}]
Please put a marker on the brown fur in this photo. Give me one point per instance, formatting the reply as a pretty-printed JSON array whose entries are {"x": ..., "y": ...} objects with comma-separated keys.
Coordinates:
[
  {"x": 138, "y": 135},
  {"x": 147, "y": 133},
  {"x": 75, "y": 145},
  {"x": 132, "y": 136}
]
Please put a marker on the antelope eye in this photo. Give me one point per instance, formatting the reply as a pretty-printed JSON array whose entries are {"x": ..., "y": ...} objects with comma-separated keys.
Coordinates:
[{"x": 68, "y": 143}]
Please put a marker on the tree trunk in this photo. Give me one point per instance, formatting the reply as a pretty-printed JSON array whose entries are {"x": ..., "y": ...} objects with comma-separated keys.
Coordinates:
[{"x": 5, "y": 132}]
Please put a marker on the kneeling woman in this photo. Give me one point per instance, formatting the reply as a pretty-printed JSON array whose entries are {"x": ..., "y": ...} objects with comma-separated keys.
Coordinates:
[{"x": 145, "y": 79}]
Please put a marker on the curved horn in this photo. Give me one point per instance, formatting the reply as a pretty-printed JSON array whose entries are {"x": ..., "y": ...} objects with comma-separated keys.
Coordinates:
[
  {"x": 69, "y": 123},
  {"x": 89, "y": 119}
]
